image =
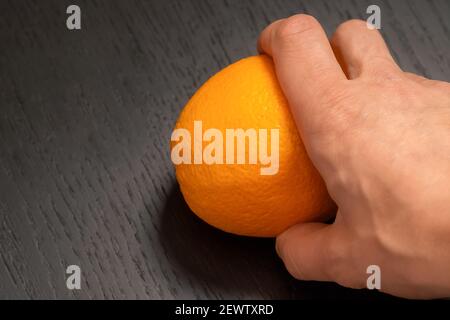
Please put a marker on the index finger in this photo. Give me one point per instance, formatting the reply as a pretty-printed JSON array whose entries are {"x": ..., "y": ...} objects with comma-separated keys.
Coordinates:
[{"x": 304, "y": 60}]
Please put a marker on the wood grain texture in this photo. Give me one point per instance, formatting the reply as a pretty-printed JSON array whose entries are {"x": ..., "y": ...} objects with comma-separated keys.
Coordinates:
[{"x": 85, "y": 122}]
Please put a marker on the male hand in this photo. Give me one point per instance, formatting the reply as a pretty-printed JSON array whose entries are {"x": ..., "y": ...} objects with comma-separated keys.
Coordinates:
[{"x": 380, "y": 138}]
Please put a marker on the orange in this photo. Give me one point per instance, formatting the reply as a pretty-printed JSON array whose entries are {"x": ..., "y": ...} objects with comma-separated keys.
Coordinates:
[{"x": 237, "y": 198}]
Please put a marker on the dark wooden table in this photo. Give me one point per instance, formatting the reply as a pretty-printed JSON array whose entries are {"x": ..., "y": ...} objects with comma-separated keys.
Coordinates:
[{"x": 85, "y": 121}]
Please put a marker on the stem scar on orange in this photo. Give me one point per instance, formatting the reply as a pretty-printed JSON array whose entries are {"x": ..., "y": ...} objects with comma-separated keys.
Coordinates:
[{"x": 236, "y": 196}]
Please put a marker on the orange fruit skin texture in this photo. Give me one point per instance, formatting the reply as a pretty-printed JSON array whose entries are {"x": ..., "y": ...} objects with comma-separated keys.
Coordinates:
[{"x": 236, "y": 198}]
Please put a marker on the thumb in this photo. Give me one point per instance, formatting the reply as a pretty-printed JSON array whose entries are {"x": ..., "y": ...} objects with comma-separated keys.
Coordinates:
[{"x": 311, "y": 251}]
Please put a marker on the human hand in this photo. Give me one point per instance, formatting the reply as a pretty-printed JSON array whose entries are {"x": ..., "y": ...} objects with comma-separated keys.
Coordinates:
[{"x": 380, "y": 138}]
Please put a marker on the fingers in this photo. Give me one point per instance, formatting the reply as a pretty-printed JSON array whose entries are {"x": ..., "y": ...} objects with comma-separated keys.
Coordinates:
[
  {"x": 305, "y": 63},
  {"x": 308, "y": 251},
  {"x": 362, "y": 51}
]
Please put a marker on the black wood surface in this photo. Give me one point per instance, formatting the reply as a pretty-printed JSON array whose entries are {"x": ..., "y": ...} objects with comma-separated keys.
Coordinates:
[{"x": 85, "y": 121}]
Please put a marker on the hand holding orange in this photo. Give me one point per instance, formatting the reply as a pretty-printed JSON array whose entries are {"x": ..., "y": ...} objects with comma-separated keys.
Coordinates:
[{"x": 247, "y": 172}]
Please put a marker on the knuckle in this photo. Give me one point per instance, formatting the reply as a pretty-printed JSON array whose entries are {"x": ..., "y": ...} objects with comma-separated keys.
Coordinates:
[{"x": 294, "y": 27}]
